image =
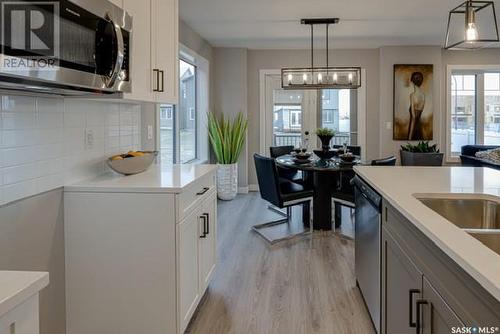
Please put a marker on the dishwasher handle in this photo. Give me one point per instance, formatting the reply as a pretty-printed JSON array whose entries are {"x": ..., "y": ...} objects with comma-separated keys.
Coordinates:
[{"x": 366, "y": 191}]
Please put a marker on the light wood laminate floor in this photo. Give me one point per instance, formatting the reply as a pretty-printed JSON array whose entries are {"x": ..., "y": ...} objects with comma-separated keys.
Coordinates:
[{"x": 291, "y": 288}]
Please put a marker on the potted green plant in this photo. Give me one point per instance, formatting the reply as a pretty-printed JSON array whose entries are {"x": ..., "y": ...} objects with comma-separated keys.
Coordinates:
[
  {"x": 325, "y": 135},
  {"x": 421, "y": 154},
  {"x": 227, "y": 137}
]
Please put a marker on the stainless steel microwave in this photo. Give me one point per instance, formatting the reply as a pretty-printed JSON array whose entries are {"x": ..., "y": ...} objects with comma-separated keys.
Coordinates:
[{"x": 68, "y": 47}]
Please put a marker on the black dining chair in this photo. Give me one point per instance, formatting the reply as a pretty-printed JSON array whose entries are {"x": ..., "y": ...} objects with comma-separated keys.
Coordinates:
[
  {"x": 389, "y": 161},
  {"x": 282, "y": 193},
  {"x": 287, "y": 173},
  {"x": 356, "y": 150}
]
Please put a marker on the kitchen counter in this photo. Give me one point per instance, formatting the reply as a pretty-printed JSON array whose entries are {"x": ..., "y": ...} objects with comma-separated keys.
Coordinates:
[
  {"x": 18, "y": 286},
  {"x": 157, "y": 179},
  {"x": 399, "y": 185}
]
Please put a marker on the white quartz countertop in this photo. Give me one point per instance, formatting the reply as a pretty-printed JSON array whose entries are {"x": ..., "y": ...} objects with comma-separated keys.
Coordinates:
[
  {"x": 17, "y": 286},
  {"x": 157, "y": 179},
  {"x": 399, "y": 185}
]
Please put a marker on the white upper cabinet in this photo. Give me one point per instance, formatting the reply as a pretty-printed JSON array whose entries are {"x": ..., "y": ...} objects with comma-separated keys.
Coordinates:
[
  {"x": 154, "y": 50},
  {"x": 165, "y": 34}
]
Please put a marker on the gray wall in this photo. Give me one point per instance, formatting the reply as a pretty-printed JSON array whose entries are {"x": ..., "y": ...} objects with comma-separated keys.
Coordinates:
[
  {"x": 230, "y": 95},
  {"x": 32, "y": 239},
  {"x": 406, "y": 55}
]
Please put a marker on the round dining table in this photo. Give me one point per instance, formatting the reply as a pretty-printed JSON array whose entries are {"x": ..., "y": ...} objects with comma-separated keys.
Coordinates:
[{"x": 325, "y": 178}]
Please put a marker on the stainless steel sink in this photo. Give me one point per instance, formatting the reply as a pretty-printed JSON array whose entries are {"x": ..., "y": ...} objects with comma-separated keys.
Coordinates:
[
  {"x": 490, "y": 240},
  {"x": 466, "y": 213}
]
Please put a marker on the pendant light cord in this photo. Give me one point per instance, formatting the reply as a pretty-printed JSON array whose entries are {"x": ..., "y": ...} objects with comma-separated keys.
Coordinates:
[{"x": 312, "y": 48}]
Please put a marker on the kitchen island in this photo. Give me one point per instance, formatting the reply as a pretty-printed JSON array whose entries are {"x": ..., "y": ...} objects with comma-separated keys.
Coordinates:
[
  {"x": 436, "y": 275},
  {"x": 140, "y": 249}
]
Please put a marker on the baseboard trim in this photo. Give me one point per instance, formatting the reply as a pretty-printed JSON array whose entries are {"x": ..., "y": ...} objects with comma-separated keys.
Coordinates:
[
  {"x": 253, "y": 187},
  {"x": 243, "y": 190}
]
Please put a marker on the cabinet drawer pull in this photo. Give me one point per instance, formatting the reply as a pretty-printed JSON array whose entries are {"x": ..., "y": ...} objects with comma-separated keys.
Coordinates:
[
  {"x": 205, "y": 189},
  {"x": 412, "y": 292},
  {"x": 204, "y": 235},
  {"x": 420, "y": 303}
]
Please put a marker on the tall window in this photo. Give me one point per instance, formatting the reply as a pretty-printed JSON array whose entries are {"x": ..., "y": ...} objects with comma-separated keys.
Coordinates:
[
  {"x": 183, "y": 134},
  {"x": 187, "y": 112},
  {"x": 474, "y": 104}
]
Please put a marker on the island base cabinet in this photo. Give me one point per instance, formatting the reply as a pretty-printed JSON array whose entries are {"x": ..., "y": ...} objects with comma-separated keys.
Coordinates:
[
  {"x": 402, "y": 287},
  {"x": 436, "y": 317},
  {"x": 23, "y": 319},
  {"x": 423, "y": 290}
]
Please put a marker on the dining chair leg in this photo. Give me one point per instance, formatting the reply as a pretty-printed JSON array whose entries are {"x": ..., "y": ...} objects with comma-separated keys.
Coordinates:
[{"x": 276, "y": 210}]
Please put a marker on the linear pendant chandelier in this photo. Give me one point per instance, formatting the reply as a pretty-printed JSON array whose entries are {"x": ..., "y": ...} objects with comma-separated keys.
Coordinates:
[
  {"x": 472, "y": 25},
  {"x": 320, "y": 77}
]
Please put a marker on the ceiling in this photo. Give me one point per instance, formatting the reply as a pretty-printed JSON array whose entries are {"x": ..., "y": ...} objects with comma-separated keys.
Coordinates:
[{"x": 274, "y": 24}]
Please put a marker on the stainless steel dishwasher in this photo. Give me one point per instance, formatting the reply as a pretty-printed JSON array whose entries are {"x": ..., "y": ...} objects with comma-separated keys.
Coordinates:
[{"x": 367, "y": 247}]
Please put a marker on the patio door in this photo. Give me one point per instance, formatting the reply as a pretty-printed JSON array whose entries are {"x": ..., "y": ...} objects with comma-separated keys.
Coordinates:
[{"x": 288, "y": 114}]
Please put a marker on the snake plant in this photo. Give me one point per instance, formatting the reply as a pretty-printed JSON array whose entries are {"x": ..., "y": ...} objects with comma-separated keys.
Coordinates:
[{"x": 227, "y": 137}]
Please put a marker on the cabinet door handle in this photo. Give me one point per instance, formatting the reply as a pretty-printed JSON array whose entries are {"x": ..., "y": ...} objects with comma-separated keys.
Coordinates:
[
  {"x": 208, "y": 223},
  {"x": 412, "y": 323},
  {"x": 204, "y": 235},
  {"x": 420, "y": 303},
  {"x": 156, "y": 83},
  {"x": 162, "y": 89},
  {"x": 204, "y": 190}
]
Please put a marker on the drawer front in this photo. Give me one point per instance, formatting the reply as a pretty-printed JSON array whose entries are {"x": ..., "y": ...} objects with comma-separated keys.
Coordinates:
[
  {"x": 194, "y": 194},
  {"x": 23, "y": 319}
]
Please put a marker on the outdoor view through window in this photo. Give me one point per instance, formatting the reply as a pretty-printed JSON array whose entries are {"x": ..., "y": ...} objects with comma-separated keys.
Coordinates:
[
  {"x": 178, "y": 124},
  {"x": 469, "y": 125}
]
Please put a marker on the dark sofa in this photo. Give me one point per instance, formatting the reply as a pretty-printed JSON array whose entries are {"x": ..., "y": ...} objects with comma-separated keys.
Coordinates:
[{"x": 468, "y": 156}]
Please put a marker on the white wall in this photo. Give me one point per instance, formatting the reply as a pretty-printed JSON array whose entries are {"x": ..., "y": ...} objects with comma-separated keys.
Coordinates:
[{"x": 42, "y": 141}]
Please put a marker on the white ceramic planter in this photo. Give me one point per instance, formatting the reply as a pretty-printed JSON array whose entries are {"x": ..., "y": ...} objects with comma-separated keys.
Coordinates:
[{"x": 227, "y": 181}]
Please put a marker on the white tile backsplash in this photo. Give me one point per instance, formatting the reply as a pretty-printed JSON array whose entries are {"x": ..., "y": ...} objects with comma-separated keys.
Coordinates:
[{"x": 42, "y": 141}]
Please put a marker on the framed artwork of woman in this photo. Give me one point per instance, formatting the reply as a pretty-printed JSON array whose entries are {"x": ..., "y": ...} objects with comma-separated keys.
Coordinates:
[{"x": 413, "y": 102}]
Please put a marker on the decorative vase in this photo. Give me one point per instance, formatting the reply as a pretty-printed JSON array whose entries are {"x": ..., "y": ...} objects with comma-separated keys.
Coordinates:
[
  {"x": 325, "y": 142},
  {"x": 421, "y": 159},
  {"x": 227, "y": 181}
]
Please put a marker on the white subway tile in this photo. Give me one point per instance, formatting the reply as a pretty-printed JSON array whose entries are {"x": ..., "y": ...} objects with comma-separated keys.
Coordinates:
[
  {"x": 18, "y": 103},
  {"x": 18, "y": 120},
  {"x": 16, "y": 191},
  {"x": 42, "y": 141}
]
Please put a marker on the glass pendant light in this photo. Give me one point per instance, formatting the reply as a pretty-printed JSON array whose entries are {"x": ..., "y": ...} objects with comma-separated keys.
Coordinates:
[
  {"x": 480, "y": 29},
  {"x": 320, "y": 77}
]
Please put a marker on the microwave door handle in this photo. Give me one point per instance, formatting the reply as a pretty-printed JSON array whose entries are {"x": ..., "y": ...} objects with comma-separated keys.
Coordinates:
[{"x": 119, "y": 55}]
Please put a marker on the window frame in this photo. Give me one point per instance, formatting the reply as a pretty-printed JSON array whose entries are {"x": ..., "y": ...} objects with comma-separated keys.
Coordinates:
[{"x": 479, "y": 71}]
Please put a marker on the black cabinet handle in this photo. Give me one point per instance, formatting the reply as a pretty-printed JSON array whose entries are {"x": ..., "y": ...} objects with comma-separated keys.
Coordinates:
[
  {"x": 204, "y": 226},
  {"x": 420, "y": 303},
  {"x": 208, "y": 223},
  {"x": 205, "y": 189},
  {"x": 412, "y": 292},
  {"x": 162, "y": 89},
  {"x": 156, "y": 72}
]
